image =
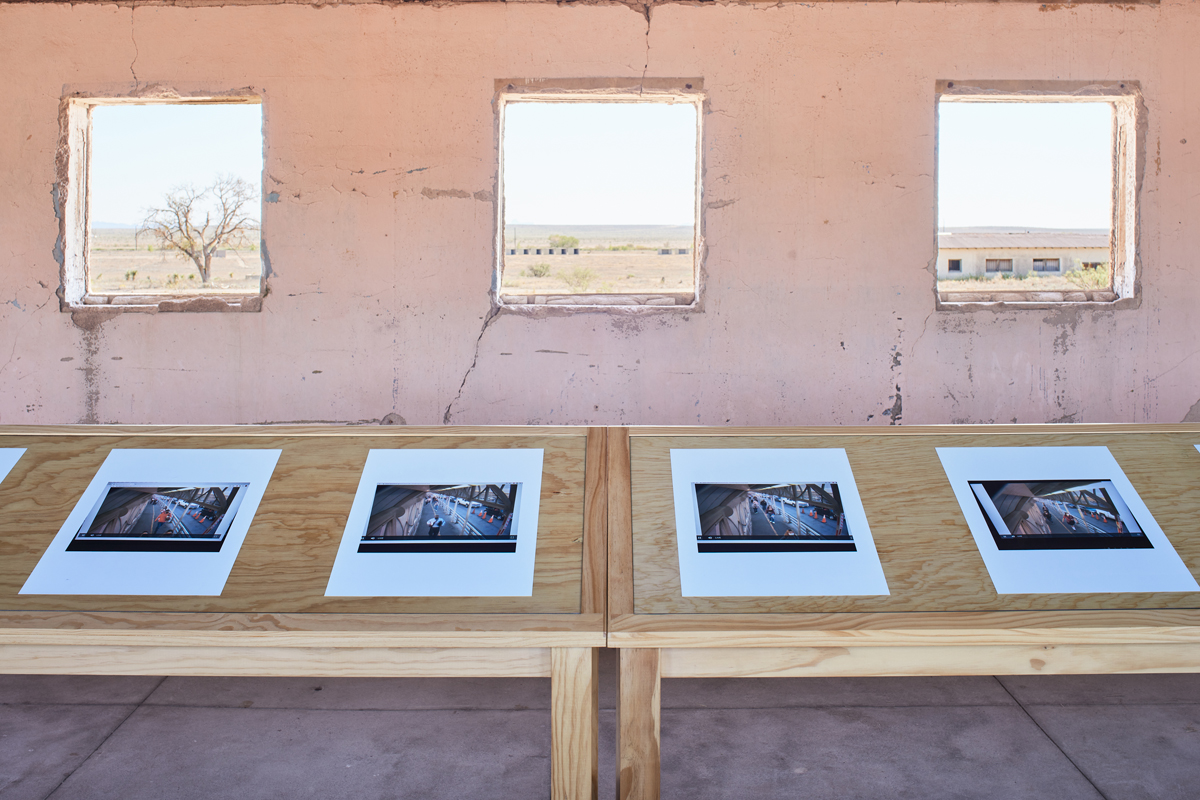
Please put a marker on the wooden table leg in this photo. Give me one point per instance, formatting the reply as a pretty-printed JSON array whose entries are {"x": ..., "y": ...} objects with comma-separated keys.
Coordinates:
[
  {"x": 638, "y": 763},
  {"x": 574, "y": 722}
]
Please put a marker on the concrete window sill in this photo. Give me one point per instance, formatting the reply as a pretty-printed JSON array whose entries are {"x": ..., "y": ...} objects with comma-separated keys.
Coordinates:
[
  {"x": 154, "y": 304},
  {"x": 593, "y": 301},
  {"x": 1033, "y": 300}
]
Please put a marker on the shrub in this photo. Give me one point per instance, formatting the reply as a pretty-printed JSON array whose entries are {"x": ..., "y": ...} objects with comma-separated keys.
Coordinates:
[
  {"x": 563, "y": 241},
  {"x": 579, "y": 279},
  {"x": 1100, "y": 278},
  {"x": 539, "y": 270}
]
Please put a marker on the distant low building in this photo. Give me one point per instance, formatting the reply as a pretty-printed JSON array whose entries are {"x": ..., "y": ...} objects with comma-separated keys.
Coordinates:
[{"x": 965, "y": 252}]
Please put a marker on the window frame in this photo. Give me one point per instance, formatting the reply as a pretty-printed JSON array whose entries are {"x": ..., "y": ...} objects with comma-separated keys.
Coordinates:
[
  {"x": 73, "y": 193},
  {"x": 599, "y": 90},
  {"x": 1128, "y": 169}
]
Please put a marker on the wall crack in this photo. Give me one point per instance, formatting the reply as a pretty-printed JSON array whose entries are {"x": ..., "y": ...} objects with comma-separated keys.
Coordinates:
[
  {"x": 646, "y": 11},
  {"x": 133, "y": 38},
  {"x": 487, "y": 321}
]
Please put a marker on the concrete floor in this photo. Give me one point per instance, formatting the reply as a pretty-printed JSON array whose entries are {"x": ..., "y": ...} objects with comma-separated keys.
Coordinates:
[{"x": 1056, "y": 737}]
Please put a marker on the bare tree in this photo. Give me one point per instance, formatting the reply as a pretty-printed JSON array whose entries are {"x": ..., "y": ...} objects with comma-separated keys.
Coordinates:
[{"x": 178, "y": 225}]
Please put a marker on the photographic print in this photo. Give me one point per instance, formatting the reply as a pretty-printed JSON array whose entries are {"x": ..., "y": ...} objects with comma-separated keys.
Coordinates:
[
  {"x": 165, "y": 519},
  {"x": 772, "y": 518},
  {"x": 1057, "y": 515},
  {"x": 441, "y": 523},
  {"x": 1058, "y": 520},
  {"x": 465, "y": 518},
  {"x": 157, "y": 522},
  {"x": 771, "y": 523}
]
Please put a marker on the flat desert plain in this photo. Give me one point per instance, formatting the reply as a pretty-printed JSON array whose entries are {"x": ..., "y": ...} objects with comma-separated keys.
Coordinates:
[
  {"x": 121, "y": 262},
  {"x": 612, "y": 259}
]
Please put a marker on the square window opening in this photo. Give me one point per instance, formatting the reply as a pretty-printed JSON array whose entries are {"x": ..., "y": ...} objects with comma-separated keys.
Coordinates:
[
  {"x": 599, "y": 195},
  {"x": 163, "y": 202},
  {"x": 1049, "y": 166}
]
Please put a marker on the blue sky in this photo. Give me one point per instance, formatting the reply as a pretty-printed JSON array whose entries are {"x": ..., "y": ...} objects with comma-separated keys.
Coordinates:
[
  {"x": 1000, "y": 164},
  {"x": 139, "y": 153},
  {"x": 1045, "y": 165},
  {"x": 599, "y": 163}
]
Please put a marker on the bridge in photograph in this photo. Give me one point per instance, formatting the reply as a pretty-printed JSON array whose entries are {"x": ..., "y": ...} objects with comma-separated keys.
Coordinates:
[
  {"x": 773, "y": 517},
  {"x": 188, "y": 520},
  {"x": 461, "y": 518},
  {"x": 188, "y": 512},
  {"x": 472, "y": 510},
  {"x": 1058, "y": 508},
  {"x": 1065, "y": 519}
]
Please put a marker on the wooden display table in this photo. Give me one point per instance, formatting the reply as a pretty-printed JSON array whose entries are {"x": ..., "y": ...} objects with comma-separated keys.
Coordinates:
[
  {"x": 943, "y": 616},
  {"x": 273, "y": 618}
]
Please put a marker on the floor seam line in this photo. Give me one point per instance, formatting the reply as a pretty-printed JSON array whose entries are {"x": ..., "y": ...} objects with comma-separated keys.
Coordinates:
[
  {"x": 107, "y": 736},
  {"x": 1051, "y": 739},
  {"x": 351, "y": 710}
]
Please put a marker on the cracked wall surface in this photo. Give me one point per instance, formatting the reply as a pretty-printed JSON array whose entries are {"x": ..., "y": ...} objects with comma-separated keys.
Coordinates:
[{"x": 817, "y": 304}]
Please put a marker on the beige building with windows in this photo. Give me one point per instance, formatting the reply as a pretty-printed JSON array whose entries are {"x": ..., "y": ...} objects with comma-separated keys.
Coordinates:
[{"x": 967, "y": 252}]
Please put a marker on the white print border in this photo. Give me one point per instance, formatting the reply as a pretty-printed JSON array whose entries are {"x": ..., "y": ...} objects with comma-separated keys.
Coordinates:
[
  {"x": 1157, "y": 569},
  {"x": 154, "y": 573},
  {"x": 401, "y": 574},
  {"x": 803, "y": 574}
]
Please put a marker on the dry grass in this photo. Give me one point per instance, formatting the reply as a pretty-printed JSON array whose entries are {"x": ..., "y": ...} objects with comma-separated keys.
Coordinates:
[
  {"x": 612, "y": 272},
  {"x": 1075, "y": 281},
  {"x": 117, "y": 264}
]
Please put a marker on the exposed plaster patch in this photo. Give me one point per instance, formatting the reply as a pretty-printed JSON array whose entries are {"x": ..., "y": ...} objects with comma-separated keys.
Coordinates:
[
  {"x": 627, "y": 326},
  {"x": 1066, "y": 319},
  {"x": 437, "y": 194},
  {"x": 1193, "y": 414},
  {"x": 91, "y": 375},
  {"x": 195, "y": 304},
  {"x": 268, "y": 270},
  {"x": 89, "y": 319},
  {"x": 393, "y": 419},
  {"x": 897, "y": 409}
]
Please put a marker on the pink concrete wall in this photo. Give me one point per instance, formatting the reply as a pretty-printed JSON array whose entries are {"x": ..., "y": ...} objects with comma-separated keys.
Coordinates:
[{"x": 818, "y": 307}]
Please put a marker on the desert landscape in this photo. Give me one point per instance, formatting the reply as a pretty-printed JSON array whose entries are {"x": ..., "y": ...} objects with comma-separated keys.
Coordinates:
[
  {"x": 1072, "y": 281},
  {"x": 612, "y": 259},
  {"x": 122, "y": 262}
]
